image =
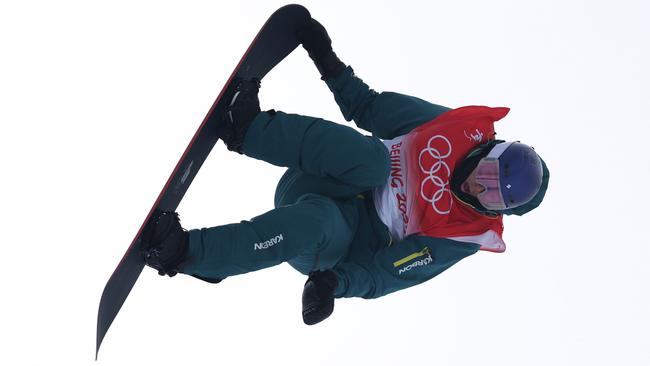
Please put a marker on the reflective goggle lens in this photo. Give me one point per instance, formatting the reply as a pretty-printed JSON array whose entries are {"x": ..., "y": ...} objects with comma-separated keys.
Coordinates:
[{"x": 487, "y": 175}]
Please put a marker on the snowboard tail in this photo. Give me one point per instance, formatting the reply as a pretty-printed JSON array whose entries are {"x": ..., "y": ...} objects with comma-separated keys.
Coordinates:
[{"x": 275, "y": 40}]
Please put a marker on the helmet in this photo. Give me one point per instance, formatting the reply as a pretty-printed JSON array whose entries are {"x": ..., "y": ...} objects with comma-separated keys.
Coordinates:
[{"x": 511, "y": 174}]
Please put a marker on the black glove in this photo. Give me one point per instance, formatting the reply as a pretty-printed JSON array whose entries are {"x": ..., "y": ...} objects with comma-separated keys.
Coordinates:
[
  {"x": 164, "y": 242},
  {"x": 318, "y": 296},
  {"x": 316, "y": 41}
]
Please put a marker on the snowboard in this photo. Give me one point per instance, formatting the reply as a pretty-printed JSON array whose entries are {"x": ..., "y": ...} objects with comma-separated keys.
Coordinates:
[{"x": 275, "y": 40}]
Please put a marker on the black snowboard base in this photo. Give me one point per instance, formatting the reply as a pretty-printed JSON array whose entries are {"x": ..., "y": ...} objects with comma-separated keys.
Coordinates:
[{"x": 273, "y": 43}]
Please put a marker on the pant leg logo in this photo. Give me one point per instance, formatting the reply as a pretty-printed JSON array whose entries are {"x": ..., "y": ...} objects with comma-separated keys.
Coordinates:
[{"x": 269, "y": 243}]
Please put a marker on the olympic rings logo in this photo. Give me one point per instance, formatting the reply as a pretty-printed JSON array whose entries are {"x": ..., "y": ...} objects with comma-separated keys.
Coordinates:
[{"x": 438, "y": 148}]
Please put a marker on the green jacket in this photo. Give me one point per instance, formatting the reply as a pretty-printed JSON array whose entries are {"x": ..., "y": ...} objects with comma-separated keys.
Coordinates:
[{"x": 414, "y": 259}]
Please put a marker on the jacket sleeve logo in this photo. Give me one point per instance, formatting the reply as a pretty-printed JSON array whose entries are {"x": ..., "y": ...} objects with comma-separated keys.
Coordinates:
[{"x": 423, "y": 258}]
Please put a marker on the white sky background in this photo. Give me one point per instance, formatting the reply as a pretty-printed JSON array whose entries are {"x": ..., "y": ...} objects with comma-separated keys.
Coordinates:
[{"x": 99, "y": 100}]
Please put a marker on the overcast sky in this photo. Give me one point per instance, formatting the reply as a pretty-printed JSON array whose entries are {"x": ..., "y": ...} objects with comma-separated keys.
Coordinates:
[{"x": 98, "y": 100}]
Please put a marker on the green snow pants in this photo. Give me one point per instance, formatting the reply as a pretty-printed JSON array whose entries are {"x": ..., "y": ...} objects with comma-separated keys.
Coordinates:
[{"x": 321, "y": 202}]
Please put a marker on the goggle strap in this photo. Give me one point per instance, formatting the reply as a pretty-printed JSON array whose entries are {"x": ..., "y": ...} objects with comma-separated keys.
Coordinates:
[{"x": 498, "y": 149}]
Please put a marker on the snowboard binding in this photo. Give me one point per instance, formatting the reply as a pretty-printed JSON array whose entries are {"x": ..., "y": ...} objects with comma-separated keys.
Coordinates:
[{"x": 242, "y": 106}]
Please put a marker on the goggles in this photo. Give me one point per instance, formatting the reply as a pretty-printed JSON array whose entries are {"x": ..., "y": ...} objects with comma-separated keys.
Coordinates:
[{"x": 487, "y": 175}]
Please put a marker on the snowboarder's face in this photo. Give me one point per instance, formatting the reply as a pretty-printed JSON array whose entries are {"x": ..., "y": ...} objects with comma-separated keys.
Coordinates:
[
  {"x": 483, "y": 184},
  {"x": 471, "y": 186}
]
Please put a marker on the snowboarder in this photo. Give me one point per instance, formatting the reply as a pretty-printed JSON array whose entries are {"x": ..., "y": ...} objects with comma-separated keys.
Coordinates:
[{"x": 362, "y": 216}]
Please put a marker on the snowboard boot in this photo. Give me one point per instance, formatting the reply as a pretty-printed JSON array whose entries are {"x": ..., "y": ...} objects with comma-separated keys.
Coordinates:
[
  {"x": 164, "y": 243},
  {"x": 317, "y": 43},
  {"x": 242, "y": 105}
]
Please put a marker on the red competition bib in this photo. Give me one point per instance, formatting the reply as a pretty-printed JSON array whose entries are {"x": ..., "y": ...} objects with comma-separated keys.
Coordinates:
[{"x": 417, "y": 198}]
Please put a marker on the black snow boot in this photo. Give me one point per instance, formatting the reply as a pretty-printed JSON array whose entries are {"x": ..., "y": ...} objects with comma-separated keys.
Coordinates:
[
  {"x": 164, "y": 243},
  {"x": 242, "y": 106}
]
